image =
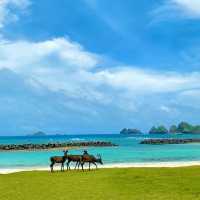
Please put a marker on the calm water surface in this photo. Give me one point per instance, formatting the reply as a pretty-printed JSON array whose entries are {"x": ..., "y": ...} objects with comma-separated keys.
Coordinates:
[{"x": 128, "y": 151}]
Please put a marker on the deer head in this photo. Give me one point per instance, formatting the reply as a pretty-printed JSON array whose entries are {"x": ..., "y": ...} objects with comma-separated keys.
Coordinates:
[
  {"x": 65, "y": 152},
  {"x": 99, "y": 159}
]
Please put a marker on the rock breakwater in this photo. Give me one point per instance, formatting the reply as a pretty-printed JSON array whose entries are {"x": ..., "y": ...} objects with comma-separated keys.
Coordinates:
[
  {"x": 49, "y": 146},
  {"x": 169, "y": 141}
]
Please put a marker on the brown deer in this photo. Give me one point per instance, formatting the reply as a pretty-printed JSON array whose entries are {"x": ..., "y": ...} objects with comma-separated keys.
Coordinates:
[
  {"x": 75, "y": 158},
  {"x": 58, "y": 159},
  {"x": 86, "y": 158}
]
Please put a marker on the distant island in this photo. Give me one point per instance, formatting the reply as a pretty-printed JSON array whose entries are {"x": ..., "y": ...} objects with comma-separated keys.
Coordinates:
[
  {"x": 39, "y": 133},
  {"x": 183, "y": 127},
  {"x": 128, "y": 131},
  {"x": 158, "y": 130}
]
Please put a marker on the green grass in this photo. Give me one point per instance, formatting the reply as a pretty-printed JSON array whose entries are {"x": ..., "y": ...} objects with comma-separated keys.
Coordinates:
[{"x": 108, "y": 184}]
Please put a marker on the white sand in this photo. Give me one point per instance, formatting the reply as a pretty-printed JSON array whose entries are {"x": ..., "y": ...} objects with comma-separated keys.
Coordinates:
[{"x": 117, "y": 165}]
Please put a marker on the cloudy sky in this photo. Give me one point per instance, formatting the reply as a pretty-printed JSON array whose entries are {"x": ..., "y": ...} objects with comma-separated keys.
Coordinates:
[{"x": 96, "y": 66}]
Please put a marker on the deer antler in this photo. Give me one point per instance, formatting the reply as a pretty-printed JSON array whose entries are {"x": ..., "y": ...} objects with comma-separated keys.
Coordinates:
[{"x": 65, "y": 151}]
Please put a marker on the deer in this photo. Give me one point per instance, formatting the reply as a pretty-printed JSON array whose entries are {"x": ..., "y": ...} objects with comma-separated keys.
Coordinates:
[
  {"x": 75, "y": 158},
  {"x": 90, "y": 159},
  {"x": 58, "y": 159}
]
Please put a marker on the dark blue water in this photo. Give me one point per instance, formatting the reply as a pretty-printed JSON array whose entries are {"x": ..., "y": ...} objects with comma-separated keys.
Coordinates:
[{"x": 128, "y": 151}]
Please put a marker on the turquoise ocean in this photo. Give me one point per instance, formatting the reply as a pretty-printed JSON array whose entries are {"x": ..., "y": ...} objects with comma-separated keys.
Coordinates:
[{"x": 129, "y": 150}]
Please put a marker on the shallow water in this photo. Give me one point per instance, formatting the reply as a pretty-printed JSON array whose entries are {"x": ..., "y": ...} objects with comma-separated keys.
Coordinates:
[{"x": 128, "y": 151}]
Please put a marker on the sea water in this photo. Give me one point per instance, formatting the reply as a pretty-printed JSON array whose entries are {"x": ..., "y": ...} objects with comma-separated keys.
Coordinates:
[{"x": 129, "y": 150}]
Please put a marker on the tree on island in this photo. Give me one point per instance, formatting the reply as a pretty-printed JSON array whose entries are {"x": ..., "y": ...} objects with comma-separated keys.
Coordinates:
[
  {"x": 173, "y": 129},
  {"x": 184, "y": 127},
  {"x": 128, "y": 131},
  {"x": 159, "y": 130}
]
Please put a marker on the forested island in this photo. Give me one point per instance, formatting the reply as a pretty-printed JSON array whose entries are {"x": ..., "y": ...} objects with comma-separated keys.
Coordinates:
[
  {"x": 38, "y": 134},
  {"x": 129, "y": 131},
  {"x": 158, "y": 130},
  {"x": 183, "y": 127}
]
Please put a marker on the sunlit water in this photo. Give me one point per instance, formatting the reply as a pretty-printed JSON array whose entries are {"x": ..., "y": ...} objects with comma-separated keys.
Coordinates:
[{"x": 128, "y": 151}]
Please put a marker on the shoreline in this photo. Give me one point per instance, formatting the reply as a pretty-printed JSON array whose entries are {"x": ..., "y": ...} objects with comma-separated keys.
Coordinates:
[{"x": 108, "y": 166}]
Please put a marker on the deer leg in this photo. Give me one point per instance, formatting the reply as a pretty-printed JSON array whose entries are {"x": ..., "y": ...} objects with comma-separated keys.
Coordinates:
[
  {"x": 95, "y": 164},
  {"x": 68, "y": 167},
  {"x": 76, "y": 165},
  {"x": 82, "y": 166},
  {"x": 89, "y": 166},
  {"x": 62, "y": 167},
  {"x": 80, "y": 163},
  {"x": 51, "y": 166}
]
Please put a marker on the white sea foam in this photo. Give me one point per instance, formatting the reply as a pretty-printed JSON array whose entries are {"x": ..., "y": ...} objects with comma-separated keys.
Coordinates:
[{"x": 77, "y": 139}]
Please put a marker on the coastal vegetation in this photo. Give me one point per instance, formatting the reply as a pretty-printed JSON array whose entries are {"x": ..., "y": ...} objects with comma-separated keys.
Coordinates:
[
  {"x": 130, "y": 131},
  {"x": 185, "y": 127},
  {"x": 158, "y": 130},
  {"x": 182, "y": 127},
  {"x": 120, "y": 184},
  {"x": 67, "y": 145}
]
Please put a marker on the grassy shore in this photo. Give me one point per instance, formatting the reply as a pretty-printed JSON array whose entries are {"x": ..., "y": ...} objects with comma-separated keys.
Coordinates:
[{"x": 109, "y": 184}]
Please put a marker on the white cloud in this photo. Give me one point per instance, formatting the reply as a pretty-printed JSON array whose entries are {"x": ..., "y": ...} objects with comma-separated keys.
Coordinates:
[
  {"x": 62, "y": 52},
  {"x": 7, "y": 8},
  {"x": 62, "y": 65},
  {"x": 165, "y": 109},
  {"x": 189, "y": 9},
  {"x": 68, "y": 74}
]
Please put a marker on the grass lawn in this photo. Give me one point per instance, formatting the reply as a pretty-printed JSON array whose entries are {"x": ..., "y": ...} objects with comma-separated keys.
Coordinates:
[{"x": 115, "y": 184}]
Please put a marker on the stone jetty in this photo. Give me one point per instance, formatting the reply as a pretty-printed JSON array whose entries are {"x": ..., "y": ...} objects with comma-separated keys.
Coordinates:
[
  {"x": 169, "y": 141},
  {"x": 50, "y": 146}
]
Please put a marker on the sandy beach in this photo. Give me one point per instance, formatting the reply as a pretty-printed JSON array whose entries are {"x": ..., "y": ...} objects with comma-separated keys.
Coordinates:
[{"x": 115, "y": 165}]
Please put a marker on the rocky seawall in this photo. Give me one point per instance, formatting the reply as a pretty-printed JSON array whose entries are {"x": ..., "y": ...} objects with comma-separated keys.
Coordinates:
[
  {"x": 169, "y": 141},
  {"x": 50, "y": 146}
]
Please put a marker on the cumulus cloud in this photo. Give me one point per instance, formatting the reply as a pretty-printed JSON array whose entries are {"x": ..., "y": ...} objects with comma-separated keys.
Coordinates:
[
  {"x": 45, "y": 61},
  {"x": 59, "y": 51},
  {"x": 63, "y": 65},
  {"x": 63, "y": 77},
  {"x": 7, "y": 7}
]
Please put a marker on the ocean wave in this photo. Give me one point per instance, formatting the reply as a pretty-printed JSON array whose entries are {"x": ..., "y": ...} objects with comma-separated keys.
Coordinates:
[
  {"x": 136, "y": 138},
  {"x": 77, "y": 139}
]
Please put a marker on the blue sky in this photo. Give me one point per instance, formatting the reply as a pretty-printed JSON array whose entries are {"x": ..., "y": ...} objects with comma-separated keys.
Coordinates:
[{"x": 96, "y": 66}]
